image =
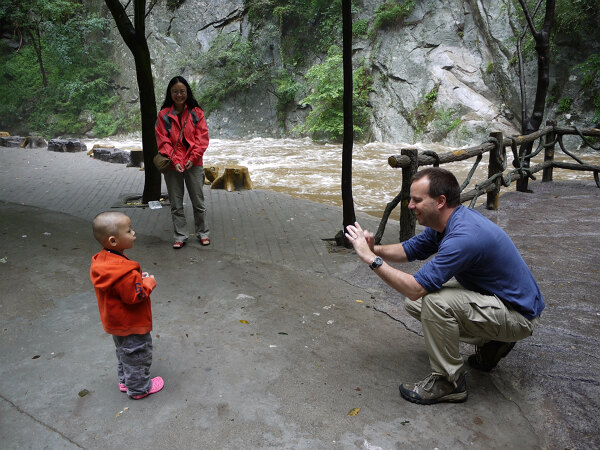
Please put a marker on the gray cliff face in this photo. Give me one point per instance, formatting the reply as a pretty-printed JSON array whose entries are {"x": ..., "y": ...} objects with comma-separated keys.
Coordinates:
[{"x": 460, "y": 49}]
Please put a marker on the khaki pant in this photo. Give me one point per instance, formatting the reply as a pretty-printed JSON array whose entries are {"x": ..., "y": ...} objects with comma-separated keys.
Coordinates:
[
  {"x": 455, "y": 314},
  {"x": 194, "y": 181}
]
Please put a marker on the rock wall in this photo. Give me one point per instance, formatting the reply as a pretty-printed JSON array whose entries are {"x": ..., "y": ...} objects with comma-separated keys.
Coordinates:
[{"x": 463, "y": 50}]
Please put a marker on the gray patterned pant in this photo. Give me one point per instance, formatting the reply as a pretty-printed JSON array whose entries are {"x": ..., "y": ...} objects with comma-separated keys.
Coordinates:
[{"x": 134, "y": 356}]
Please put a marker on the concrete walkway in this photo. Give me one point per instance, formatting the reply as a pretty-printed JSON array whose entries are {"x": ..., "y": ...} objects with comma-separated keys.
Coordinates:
[{"x": 324, "y": 335}]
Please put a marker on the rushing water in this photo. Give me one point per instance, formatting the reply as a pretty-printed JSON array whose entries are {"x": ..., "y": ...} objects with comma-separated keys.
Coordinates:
[{"x": 303, "y": 168}]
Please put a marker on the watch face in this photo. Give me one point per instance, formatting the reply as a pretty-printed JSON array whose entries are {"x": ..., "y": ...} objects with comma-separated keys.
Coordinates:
[{"x": 377, "y": 262}]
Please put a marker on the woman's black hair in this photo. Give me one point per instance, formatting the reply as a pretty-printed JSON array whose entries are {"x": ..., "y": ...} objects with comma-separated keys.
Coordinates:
[{"x": 191, "y": 101}]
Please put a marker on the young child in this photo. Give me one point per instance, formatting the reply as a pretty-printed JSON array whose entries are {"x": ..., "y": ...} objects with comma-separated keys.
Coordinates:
[{"x": 123, "y": 294}]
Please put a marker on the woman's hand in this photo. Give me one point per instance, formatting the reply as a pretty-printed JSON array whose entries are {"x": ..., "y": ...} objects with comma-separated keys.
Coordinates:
[
  {"x": 189, "y": 164},
  {"x": 178, "y": 168}
]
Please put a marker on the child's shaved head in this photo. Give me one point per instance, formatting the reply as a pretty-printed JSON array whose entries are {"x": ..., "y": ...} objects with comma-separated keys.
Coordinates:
[{"x": 106, "y": 224}]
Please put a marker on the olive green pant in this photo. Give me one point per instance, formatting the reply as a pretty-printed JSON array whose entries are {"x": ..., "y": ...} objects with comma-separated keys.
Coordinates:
[{"x": 455, "y": 314}]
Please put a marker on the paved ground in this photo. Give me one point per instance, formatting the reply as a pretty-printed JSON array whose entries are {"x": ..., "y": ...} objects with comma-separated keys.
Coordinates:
[{"x": 323, "y": 337}]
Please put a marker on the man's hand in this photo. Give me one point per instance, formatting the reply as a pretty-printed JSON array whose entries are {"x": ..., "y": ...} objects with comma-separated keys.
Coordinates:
[
  {"x": 362, "y": 241},
  {"x": 189, "y": 164},
  {"x": 179, "y": 168}
]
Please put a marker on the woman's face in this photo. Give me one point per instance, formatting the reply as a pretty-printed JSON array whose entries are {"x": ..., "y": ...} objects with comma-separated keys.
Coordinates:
[{"x": 179, "y": 95}]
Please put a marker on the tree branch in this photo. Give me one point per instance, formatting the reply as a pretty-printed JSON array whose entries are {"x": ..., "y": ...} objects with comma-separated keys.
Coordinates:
[{"x": 529, "y": 17}]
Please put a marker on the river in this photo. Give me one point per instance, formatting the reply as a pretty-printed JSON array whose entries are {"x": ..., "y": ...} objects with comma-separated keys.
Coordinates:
[{"x": 303, "y": 168}]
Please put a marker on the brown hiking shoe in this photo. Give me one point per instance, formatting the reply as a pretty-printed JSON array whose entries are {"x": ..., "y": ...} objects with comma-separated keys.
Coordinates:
[
  {"x": 487, "y": 357},
  {"x": 436, "y": 388}
]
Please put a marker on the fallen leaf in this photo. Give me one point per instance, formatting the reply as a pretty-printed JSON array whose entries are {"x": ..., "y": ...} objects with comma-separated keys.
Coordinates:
[
  {"x": 36, "y": 357},
  {"x": 354, "y": 411},
  {"x": 83, "y": 392},
  {"x": 359, "y": 301},
  {"x": 243, "y": 321},
  {"x": 281, "y": 332}
]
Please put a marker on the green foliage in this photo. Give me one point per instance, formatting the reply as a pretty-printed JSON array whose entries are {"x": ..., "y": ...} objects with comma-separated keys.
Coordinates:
[
  {"x": 424, "y": 112},
  {"x": 446, "y": 120},
  {"x": 326, "y": 118},
  {"x": 286, "y": 90},
  {"x": 302, "y": 24},
  {"x": 391, "y": 13},
  {"x": 489, "y": 69},
  {"x": 360, "y": 28},
  {"x": 590, "y": 69},
  {"x": 173, "y": 5},
  {"x": 575, "y": 17},
  {"x": 564, "y": 105},
  {"x": 76, "y": 67},
  {"x": 232, "y": 65}
]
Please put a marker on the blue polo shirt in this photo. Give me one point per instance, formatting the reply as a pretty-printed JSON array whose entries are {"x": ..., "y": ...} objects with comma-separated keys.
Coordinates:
[{"x": 482, "y": 258}]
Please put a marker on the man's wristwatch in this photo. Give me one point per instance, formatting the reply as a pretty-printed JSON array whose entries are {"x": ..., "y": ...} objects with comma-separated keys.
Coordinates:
[{"x": 377, "y": 262}]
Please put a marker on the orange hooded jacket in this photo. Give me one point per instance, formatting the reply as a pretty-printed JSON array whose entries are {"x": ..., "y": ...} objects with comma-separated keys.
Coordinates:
[{"x": 123, "y": 294}]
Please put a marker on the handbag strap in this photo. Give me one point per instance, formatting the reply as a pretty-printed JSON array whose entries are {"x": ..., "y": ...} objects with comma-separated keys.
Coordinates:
[{"x": 180, "y": 134}]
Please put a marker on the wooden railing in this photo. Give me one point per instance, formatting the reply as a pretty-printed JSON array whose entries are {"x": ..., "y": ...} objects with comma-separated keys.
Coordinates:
[{"x": 410, "y": 160}]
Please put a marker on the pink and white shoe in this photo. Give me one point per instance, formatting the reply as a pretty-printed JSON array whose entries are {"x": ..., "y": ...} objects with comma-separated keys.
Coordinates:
[
  {"x": 157, "y": 385},
  {"x": 122, "y": 387}
]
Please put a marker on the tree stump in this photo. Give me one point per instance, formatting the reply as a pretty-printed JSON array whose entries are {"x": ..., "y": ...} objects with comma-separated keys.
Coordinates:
[
  {"x": 137, "y": 157},
  {"x": 210, "y": 174},
  {"x": 34, "y": 142},
  {"x": 235, "y": 178}
]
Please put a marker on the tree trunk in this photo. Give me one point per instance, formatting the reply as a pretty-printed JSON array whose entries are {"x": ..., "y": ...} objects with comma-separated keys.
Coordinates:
[
  {"x": 36, "y": 41},
  {"x": 542, "y": 48},
  {"x": 349, "y": 216},
  {"x": 135, "y": 39}
]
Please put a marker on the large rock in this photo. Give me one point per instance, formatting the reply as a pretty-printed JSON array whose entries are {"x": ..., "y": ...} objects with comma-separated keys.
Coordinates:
[
  {"x": 66, "y": 146},
  {"x": 111, "y": 154},
  {"x": 11, "y": 141}
]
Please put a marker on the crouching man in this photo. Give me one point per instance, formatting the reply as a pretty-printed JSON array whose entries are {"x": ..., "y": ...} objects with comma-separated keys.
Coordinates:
[{"x": 492, "y": 302}]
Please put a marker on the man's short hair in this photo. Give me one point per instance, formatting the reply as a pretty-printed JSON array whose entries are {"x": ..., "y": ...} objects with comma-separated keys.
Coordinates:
[
  {"x": 441, "y": 182},
  {"x": 106, "y": 224}
]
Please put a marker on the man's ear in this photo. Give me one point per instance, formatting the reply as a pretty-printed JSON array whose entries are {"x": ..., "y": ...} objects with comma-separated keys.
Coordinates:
[{"x": 441, "y": 201}]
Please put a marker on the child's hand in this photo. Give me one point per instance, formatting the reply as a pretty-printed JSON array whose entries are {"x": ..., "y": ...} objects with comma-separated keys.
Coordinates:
[{"x": 146, "y": 274}]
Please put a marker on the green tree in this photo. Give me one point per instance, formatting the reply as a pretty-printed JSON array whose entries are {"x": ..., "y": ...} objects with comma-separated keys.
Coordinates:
[
  {"x": 326, "y": 118},
  {"x": 66, "y": 86},
  {"x": 29, "y": 17}
]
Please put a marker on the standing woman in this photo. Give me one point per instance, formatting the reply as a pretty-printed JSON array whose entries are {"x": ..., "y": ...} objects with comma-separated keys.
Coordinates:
[{"x": 180, "y": 111}]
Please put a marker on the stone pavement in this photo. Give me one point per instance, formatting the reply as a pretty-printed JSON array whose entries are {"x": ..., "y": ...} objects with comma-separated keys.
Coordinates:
[{"x": 319, "y": 342}]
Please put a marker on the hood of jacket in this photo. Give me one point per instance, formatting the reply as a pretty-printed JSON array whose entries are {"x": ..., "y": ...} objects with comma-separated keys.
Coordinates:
[{"x": 108, "y": 267}]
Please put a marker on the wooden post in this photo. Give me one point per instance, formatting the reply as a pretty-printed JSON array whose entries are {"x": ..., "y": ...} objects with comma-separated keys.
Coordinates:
[
  {"x": 549, "y": 152},
  {"x": 407, "y": 217},
  {"x": 497, "y": 157}
]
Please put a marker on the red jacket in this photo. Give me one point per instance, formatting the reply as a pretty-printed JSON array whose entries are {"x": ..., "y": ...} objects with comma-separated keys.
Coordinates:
[
  {"x": 168, "y": 128},
  {"x": 123, "y": 295}
]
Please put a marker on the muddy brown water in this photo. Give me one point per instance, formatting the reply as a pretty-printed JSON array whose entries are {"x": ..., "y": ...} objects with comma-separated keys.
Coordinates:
[{"x": 306, "y": 169}]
